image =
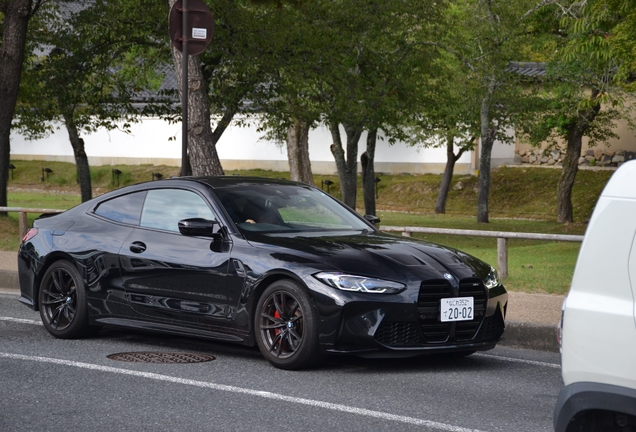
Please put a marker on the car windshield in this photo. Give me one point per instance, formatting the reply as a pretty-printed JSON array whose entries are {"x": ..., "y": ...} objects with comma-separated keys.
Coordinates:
[{"x": 286, "y": 208}]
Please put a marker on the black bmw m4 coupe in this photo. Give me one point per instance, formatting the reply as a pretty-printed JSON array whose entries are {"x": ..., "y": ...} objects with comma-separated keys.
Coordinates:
[{"x": 265, "y": 262}]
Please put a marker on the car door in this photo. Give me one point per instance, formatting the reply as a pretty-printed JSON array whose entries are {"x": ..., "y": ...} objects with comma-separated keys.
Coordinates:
[{"x": 170, "y": 276}]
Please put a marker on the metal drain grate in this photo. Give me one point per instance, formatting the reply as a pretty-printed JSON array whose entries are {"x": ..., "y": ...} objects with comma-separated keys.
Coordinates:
[{"x": 160, "y": 357}]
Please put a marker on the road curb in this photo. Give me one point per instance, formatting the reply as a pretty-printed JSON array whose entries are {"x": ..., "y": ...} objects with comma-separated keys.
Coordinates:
[
  {"x": 530, "y": 336},
  {"x": 9, "y": 280}
]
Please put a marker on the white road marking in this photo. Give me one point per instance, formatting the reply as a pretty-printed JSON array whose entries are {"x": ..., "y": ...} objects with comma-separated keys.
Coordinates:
[
  {"x": 21, "y": 321},
  {"x": 250, "y": 392},
  {"x": 516, "y": 360}
]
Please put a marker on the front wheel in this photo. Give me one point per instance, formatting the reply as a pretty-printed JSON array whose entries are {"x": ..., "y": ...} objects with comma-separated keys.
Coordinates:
[
  {"x": 63, "y": 306},
  {"x": 286, "y": 326}
]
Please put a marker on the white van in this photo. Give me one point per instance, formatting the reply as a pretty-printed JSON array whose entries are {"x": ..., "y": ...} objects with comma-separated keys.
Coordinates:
[{"x": 598, "y": 328}]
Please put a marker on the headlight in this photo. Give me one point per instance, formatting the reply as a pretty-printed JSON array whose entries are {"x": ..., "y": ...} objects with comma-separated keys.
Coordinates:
[
  {"x": 492, "y": 280},
  {"x": 363, "y": 284}
]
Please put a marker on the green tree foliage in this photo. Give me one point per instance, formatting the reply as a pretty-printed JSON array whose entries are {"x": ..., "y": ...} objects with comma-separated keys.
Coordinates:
[
  {"x": 294, "y": 78},
  {"x": 397, "y": 69},
  {"x": 484, "y": 37},
  {"x": 235, "y": 72},
  {"x": 580, "y": 96},
  {"x": 352, "y": 65},
  {"x": 604, "y": 31},
  {"x": 90, "y": 65},
  {"x": 371, "y": 78},
  {"x": 449, "y": 117},
  {"x": 14, "y": 20}
]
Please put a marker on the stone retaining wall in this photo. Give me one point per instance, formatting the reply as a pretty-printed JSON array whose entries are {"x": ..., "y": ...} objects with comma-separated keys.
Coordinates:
[{"x": 592, "y": 157}]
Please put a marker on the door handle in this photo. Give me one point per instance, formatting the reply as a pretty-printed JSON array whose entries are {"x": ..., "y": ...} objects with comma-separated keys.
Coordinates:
[{"x": 137, "y": 247}]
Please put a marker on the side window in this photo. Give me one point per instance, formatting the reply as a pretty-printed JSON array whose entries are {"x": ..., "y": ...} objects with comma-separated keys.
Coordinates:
[
  {"x": 164, "y": 208},
  {"x": 124, "y": 209}
]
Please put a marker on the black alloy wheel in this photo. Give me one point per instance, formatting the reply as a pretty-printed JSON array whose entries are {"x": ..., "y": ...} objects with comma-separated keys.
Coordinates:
[
  {"x": 62, "y": 299},
  {"x": 286, "y": 326}
]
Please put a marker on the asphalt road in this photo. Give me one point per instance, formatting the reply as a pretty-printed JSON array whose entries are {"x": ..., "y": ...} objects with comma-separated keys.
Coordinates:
[{"x": 48, "y": 384}]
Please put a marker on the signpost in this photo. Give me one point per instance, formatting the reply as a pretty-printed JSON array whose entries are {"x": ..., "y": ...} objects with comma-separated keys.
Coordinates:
[{"x": 190, "y": 26}]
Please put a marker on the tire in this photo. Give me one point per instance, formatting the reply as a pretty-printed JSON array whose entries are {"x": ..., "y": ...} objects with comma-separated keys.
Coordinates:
[
  {"x": 62, "y": 299},
  {"x": 286, "y": 327}
]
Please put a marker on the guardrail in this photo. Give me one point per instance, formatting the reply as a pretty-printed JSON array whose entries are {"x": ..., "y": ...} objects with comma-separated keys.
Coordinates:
[
  {"x": 22, "y": 216},
  {"x": 501, "y": 236}
]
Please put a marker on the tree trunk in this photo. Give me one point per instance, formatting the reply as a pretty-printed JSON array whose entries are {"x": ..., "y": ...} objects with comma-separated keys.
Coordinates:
[
  {"x": 484, "y": 178},
  {"x": 81, "y": 160},
  {"x": 488, "y": 133},
  {"x": 346, "y": 163},
  {"x": 568, "y": 175},
  {"x": 14, "y": 29},
  {"x": 188, "y": 167},
  {"x": 442, "y": 195},
  {"x": 571, "y": 163},
  {"x": 204, "y": 158},
  {"x": 368, "y": 173},
  {"x": 298, "y": 152}
]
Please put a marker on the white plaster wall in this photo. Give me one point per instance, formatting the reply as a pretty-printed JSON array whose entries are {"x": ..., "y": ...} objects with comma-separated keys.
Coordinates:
[
  {"x": 150, "y": 140},
  {"x": 147, "y": 139}
]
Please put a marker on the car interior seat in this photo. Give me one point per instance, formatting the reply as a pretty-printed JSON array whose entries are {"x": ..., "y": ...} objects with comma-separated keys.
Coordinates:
[{"x": 259, "y": 214}]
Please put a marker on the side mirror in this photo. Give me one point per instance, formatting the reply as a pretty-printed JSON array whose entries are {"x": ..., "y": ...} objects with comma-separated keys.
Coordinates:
[
  {"x": 197, "y": 227},
  {"x": 373, "y": 219}
]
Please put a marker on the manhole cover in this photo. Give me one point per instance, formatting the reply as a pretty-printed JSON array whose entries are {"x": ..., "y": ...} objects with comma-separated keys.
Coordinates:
[{"x": 160, "y": 357}]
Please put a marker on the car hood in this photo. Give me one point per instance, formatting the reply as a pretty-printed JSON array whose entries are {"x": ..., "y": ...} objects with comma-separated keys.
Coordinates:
[{"x": 373, "y": 255}]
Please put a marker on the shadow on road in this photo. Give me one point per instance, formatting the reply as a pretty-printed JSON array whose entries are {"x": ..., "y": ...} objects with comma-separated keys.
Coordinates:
[{"x": 344, "y": 363}]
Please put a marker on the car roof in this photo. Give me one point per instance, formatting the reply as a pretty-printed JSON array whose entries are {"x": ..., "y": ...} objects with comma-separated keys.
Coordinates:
[
  {"x": 227, "y": 181},
  {"x": 214, "y": 182}
]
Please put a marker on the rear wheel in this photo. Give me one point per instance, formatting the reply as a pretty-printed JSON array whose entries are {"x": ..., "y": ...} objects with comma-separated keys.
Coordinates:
[
  {"x": 62, "y": 299},
  {"x": 286, "y": 326}
]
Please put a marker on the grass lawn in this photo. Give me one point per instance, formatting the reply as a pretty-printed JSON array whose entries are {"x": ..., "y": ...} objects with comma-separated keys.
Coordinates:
[
  {"x": 533, "y": 266},
  {"x": 521, "y": 200}
]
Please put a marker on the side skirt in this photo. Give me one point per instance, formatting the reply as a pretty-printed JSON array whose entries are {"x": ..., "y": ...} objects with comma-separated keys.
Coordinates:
[{"x": 171, "y": 329}]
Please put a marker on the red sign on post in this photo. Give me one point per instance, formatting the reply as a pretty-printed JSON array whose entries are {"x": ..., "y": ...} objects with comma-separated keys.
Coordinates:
[{"x": 200, "y": 26}]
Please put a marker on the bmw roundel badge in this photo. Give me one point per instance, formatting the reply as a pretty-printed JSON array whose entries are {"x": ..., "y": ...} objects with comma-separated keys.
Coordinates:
[{"x": 448, "y": 276}]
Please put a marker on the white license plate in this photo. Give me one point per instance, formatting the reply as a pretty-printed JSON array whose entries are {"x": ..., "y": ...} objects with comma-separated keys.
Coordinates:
[{"x": 457, "y": 309}]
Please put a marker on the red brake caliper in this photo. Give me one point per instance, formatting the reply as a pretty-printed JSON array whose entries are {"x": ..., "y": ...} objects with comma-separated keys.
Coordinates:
[
  {"x": 277, "y": 331},
  {"x": 277, "y": 316}
]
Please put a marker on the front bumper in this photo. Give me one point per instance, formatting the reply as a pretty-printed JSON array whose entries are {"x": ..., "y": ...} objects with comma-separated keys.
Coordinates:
[{"x": 408, "y": 325}]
